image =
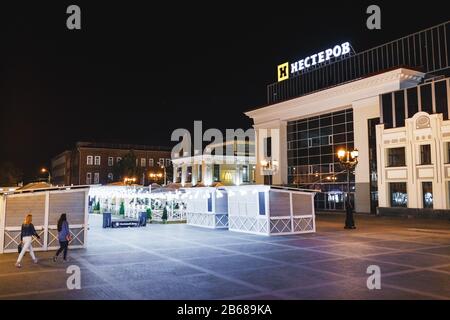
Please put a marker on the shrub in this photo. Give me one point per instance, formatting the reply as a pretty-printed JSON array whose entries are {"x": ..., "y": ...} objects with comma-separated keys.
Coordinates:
[
  {"x": 122, "y": 209},
  {"x": 164, "y": 215}
]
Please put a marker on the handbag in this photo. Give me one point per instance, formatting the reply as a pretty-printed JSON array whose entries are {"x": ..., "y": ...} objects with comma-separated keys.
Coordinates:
[{"x": 19, "y": 248}]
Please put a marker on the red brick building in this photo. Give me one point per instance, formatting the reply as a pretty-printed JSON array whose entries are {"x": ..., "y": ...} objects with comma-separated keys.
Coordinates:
[{"x": 93, "y": 163}]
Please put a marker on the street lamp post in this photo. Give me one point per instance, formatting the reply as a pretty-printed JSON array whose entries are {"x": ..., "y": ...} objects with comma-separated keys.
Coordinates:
[
  {"x": 49, "y": 179},
  {"x": 348, "y": 160}
]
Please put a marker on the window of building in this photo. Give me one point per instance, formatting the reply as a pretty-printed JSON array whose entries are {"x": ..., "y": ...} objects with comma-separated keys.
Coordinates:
[
  {"x": 110, "y": 177},
  {"x": 440, "y": 93},
  {"x": 88, "y": 178},
  {"x": 110, "y": 161},
  {"x": 386, "y": 100},
  {"x": 447, "y": 153},
  {"x": 216, "y": 173},
  {"x": 189, "y": 174},
  {"x": 199, "y": 173},
  {"x": 143, "y": 162},
  {"x": 425, "y": 98},
  {"x": 168, "y": 162},
  {"x": 427, "y": 195},
  {"x": 399, "y": 196},
  {"x": 399, "y": 97},
  {"x": 425, "y": 154},
  {"x": 97, "y": 160},
  {"x": 96, "y": 178},
  {"x": 161, "y": 162},
  {"x": 90, "y": 160},
  {"x": 151, "y": 162},
  {"x": 118, "y": 159},
  {"x": 312, "y": 147},
  {"x": 268, "y": 147},
  {"x": 245, "y": 175},
  {"x": 396, "y": 157}
]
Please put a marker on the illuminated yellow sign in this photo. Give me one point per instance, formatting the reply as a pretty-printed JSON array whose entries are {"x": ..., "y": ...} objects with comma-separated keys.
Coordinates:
[{"x": 283, "y": 71}]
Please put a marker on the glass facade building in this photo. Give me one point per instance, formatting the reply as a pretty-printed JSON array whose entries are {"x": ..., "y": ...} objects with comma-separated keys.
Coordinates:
[{"x": 312, "y": 161}]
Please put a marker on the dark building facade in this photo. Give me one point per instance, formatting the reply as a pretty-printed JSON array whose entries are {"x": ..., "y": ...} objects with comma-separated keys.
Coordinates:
[{"x": 95, "y": 163}]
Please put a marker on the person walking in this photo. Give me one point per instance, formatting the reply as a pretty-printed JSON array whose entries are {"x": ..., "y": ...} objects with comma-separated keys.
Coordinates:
[
  {"x": 26, "y": 238},
  {"x": 63, "y": 237}
]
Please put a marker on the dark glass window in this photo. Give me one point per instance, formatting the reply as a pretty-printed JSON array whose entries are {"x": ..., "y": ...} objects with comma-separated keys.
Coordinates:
[
  {"x": 399, "y": 196},
  {"x": 399, "y": 97},
  {"x": 325, "y": 121},
  {"x": 200, "y": 173},
  {"x": 386, "y": 100},
  {"x": 315, "y": 165},
  {"x": 396, "y": 157},
  {"x": 440, "y": 92},
  {"x": 216, "y": 173},
  {"x": 312, "y": 124},
  {"x": 425, "y": 98},
  {"x": 339, "y": 128},
  {"x": 268, "y": 147},
  {"x": 427, "y": 195},
  {"x": 413, "y": 102},
  {"x": 425, "y": 154},
  {"x": 339, "y": 118},
  {"x": 448, "y": 152},
  {"x": 245, "y": 174},
  {"x": 189, "y": 174}
]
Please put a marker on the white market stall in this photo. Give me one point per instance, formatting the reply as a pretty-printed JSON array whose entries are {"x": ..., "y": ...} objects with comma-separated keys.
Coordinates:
[
  {"x": 254, "y": 209},
  {"x": 269, "y": 210},
  {"x": 46, "y": 206},
  {"x": 206, "y": 207}
]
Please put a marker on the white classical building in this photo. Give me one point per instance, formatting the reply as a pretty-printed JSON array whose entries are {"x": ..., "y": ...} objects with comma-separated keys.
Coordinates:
[
  {"x": 414, "y": 155},
  {"x": 216, "y": 166}
]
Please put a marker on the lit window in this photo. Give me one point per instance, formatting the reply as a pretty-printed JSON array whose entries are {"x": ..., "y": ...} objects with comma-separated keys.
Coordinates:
[
  {"x": 110, "y": 161},
  {"x": 399, "y": 195},
  {"x": 97, "y": 160},
  {"x": 427, "y": 195},
  {"x": 90, "y": 160}
]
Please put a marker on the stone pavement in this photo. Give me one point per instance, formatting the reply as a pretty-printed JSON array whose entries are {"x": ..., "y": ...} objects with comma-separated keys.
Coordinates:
[{"x": 183, "y": 262}]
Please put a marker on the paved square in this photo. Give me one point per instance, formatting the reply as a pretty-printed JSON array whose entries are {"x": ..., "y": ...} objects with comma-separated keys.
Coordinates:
[{"x": 182, "y": 262}]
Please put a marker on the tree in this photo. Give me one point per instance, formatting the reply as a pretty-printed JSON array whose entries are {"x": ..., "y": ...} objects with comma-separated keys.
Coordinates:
[
  {"x": 10, "y": 175},
  {"x": 122, "y": 209},
  {"x": 127, "y": 167},
  {"x": 164, "y": 215}
]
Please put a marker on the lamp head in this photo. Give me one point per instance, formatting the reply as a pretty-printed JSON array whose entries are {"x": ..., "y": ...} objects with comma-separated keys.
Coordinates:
[{"x": 341, "y": 153}]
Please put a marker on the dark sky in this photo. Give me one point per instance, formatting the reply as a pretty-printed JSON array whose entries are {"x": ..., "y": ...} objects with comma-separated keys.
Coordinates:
[{"x": 135, "y": 73}]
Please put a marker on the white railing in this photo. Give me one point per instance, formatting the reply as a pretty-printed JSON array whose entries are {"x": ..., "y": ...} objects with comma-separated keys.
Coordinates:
[{"x": 172, "y": 215}]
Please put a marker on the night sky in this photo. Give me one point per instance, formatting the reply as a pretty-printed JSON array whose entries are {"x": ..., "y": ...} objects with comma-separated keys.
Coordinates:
[{"x": 133, "y": 74}]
